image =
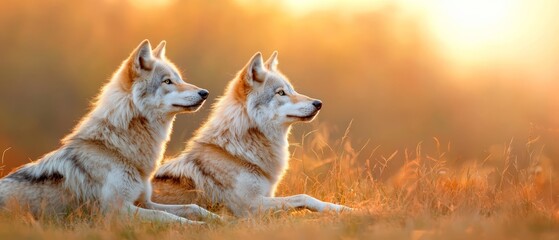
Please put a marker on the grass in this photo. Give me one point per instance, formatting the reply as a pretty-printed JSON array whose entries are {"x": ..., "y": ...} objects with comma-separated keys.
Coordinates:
[
  {"x": 2, "y": 162},
  {"x": 411, "y": 194}
]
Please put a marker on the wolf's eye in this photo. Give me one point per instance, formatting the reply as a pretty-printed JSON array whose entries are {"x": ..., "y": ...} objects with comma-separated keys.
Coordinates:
[
  {"x": 167, "y": 81},
  {"x": 281, "y": 93}
]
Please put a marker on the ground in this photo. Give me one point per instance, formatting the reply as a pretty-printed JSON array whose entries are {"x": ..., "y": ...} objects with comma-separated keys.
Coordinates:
[{"x": 409, "y": 195}]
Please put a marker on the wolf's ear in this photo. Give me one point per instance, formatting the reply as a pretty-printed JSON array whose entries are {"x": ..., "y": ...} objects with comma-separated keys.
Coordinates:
[
  {"x": 272, "y": 62},
  {"x": 254, "y": 71},
  {"x": 141, "y": 58},
  {"x": 159, "y": 51}
]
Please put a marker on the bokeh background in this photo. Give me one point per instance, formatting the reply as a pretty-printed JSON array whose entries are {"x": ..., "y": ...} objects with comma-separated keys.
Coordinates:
[{"x": 475, "y": 74}]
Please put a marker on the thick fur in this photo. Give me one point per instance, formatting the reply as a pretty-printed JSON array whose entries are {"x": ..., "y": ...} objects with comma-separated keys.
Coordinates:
[
  {"x": 238, "y": 157},
  {"x": 109, "y": 158}
]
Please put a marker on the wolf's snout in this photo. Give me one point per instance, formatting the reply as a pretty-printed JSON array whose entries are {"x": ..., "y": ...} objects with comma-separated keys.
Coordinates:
[
  {"x": 317, "y": 104},
  {"x": 203, "y": 94}
]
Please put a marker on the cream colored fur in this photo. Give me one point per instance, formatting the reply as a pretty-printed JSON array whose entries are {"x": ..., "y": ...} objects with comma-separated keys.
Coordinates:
[
  {"x": 109, "y": 158},
  {"x": 238, "y": 157}
]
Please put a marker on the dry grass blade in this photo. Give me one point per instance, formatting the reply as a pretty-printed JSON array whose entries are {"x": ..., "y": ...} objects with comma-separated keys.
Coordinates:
[{"x": 2, "y": 161}]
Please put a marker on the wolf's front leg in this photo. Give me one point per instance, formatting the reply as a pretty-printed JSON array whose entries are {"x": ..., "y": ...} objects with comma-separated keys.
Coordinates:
[
  {"x": 187, "y": 211},
  {"x": 111, "y": 196},
  {"x": 296, "y": 201},
  {"x": 191, "y": 211},
  {"x": 130, "y": 210}
]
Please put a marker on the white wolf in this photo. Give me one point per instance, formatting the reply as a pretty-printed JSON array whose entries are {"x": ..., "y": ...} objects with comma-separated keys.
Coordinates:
[
  {"x": 238, "y": 157},
  {"x": 109, "y": 158}
]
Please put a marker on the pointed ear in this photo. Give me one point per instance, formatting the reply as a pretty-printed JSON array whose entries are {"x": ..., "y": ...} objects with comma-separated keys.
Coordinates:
[
  {"x": 141, "y": 59},
  {"x": 272, "y": 62},
  {"x": 159, "y": 51},
  {"x": 254, "y": 71}
]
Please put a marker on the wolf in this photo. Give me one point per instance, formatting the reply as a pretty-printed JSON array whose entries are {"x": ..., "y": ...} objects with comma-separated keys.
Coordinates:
[
  {"x": 240, "y": 154},
  {"x": 109, "y": 157}
]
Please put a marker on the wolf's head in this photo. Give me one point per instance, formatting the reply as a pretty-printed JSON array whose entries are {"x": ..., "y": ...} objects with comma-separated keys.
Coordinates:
[
  {"x": 268, "y": 95},
  {"x": 155, "y": 83}
]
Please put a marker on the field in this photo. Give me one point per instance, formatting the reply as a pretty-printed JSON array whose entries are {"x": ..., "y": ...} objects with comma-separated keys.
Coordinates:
[
  {"x": 440, "y": 117},
  {"x": 407, "y": 195}
]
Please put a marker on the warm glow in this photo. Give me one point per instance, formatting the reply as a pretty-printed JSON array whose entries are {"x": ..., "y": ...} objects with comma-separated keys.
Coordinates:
[
  {"x": 473, "y": 29},
  {"x": 480, "y": 16},
  {"x": 305, "y": 6},
  {"x": 464, "y": 31},
  {"x": 151, "y": 3}
]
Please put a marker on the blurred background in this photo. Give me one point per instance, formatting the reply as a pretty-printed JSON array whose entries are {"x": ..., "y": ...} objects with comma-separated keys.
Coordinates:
[{"x": 473, "y": 73}]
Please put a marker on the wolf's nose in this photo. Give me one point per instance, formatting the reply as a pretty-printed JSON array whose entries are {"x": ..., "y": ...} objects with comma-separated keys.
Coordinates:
[
  {"x": 203, "y": 93},
  {"x": 317, "y": 104}
]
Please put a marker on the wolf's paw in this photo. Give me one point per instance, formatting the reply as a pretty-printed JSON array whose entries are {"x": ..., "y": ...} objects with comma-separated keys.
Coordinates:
[
  {"x": 338, "y": 208},
  {"x": 191, "y": 222},
  {"x": 213, "y": 217},
  {"x": 200, "y": 213}
]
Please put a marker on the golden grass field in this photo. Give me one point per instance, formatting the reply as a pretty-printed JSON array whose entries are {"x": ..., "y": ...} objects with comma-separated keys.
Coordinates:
[
  {"x": 504, "y": 196},
  {"x": 480, "y": 75}
]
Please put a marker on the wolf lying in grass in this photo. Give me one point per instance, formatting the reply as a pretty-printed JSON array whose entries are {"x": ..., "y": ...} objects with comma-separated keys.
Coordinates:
[
  {"x": 238, "y": 157},
  {"x": 109, "y": 158}
]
